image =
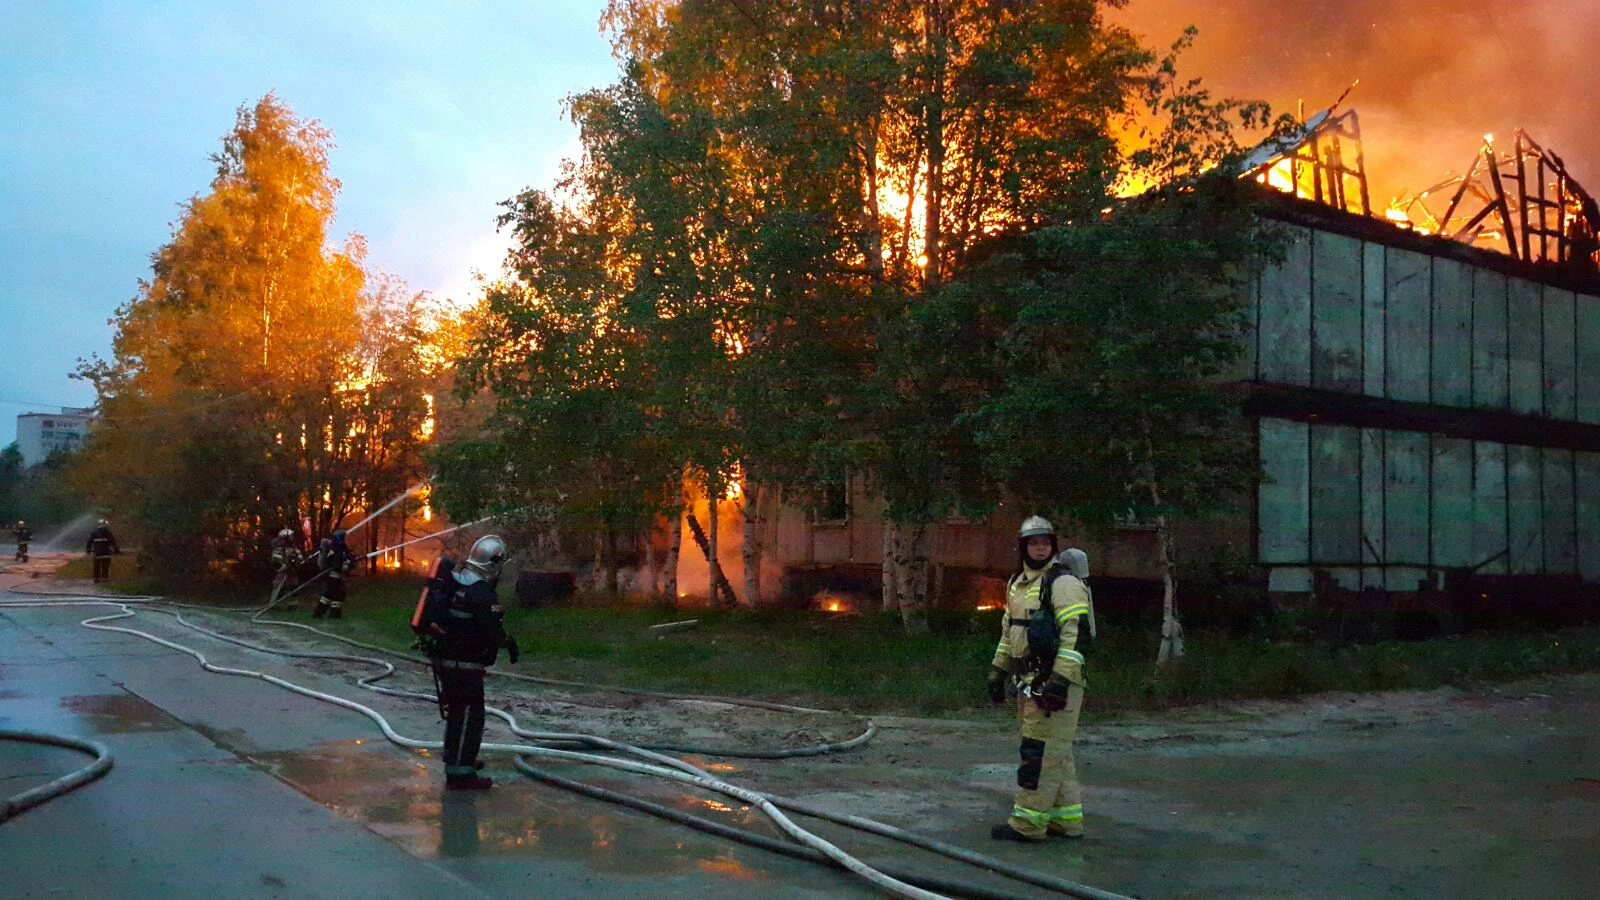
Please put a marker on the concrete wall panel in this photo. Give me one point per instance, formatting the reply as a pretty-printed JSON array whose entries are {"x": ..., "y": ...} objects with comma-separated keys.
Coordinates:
[
  {"x": 1408, "y": 280},
  {"x": 1525, "y": 331},
  {"x": 1285, "y": 330},
  {"x": 1336, "y": 313}
]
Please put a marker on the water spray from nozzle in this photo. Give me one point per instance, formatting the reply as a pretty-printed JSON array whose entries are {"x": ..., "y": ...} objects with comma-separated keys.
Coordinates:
[
  {"x": 387, "y": 506},
  {"x": 428, "y": 537}
]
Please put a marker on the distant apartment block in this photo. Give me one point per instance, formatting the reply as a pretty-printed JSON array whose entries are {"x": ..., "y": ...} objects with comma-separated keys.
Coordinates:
[{"x": 41, "y": 434}]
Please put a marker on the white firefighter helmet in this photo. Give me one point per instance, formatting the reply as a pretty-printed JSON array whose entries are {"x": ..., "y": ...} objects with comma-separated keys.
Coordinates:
[
  {"x": 1035, "y": 526},
  {"x": 103, "y": 523},
  {"x": 1075, "y": 561},
  {"x": 285, "y": 533},
  {"x": 484, "y": 560}
]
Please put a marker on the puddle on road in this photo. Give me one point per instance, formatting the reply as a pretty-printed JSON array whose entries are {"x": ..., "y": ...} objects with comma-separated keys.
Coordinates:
[
  {"x": 402, "y": 797},
  {"x": 113, "y": 713}
]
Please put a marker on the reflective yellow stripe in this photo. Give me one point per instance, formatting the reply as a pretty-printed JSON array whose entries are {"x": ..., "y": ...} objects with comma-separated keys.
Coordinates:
[
  {"x": 1073, "y": 655},
  {"x": 1076, "y": 609},
  {"x": 1067, "y": 813},
  {"x": 1031, "y": 816}
]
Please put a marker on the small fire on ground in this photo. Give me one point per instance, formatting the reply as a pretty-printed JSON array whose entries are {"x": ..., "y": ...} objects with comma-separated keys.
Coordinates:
[{"x": 827, "y": 601}]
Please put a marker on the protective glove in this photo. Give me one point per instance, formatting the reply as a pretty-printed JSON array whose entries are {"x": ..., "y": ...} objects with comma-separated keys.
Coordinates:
[
  {"x": 513, "y": 652},
  {"x": 997, "y": 685},
  {"x": 1053, "y": 696}
]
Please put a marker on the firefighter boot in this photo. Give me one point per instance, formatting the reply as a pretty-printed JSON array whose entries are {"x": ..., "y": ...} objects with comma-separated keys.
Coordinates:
[
  {"x": 1004, "y": 832},
  {"x": 473, "y": 782},
  {"x": 336, "y": 610},
  {"x": 321, "y": 609}
]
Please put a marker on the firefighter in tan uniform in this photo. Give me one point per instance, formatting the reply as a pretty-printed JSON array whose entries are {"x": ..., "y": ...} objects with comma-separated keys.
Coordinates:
[{"x": 1049, "y": 684}]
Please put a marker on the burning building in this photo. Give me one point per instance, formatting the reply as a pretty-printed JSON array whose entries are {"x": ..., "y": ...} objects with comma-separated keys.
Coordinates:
[
  {"x": 1423, "y": 381},
  {"x": 1426, "y": 381}
]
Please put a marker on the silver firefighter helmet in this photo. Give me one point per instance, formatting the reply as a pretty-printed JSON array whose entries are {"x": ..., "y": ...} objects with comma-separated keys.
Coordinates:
[
  {"x": 1035, "y": 526},
  {"x": 483, "y": 561}
]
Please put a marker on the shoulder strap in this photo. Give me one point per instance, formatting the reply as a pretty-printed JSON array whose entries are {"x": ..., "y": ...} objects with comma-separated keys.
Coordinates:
[{"x": 1048, "y": 578}]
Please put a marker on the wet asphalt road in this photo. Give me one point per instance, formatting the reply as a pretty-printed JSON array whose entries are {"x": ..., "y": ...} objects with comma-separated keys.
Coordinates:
[{"x": 229, "y": 787}]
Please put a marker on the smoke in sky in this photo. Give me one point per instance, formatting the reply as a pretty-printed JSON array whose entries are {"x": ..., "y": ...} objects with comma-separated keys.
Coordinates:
[{"x": 1436, "y": 75}]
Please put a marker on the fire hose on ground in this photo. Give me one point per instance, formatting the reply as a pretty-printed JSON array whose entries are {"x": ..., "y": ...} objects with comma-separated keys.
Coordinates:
[
  {"x": 17, "y": 804},
  {"x": 658, "y": 765}
]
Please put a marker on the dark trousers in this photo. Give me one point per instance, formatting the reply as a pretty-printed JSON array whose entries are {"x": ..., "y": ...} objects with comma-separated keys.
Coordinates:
[
  {"x": 461, "y": 695},
  {"x": 102, "y": 568}
]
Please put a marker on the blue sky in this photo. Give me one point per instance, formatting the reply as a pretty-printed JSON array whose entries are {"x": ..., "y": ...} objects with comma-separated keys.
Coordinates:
[{"x": 109, "y": 110}]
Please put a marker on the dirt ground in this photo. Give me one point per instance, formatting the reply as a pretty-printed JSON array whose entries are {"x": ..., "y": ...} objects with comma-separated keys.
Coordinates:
[{"x": 1491, "y": 792}]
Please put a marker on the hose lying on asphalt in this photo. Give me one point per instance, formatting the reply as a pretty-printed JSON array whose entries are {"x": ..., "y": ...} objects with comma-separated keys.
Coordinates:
[
  {"x": 674, "y": 769},
  {"x": 15, "y": 805},
  {"x": 961, "y": 854},
  {"x": 783, "y": 822},
  {"x": 945, "y": 886},
  {"x": 868, "y": 731}
]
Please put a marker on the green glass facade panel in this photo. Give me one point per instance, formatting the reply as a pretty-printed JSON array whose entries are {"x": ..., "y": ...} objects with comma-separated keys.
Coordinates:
[
  {"x": 1285, "y": 321},
  {"x": 1524, "y": 509},
  {"x": 1406, "y": 506},
  {"x": 1451, "y": 347},
  {"x": 1336, "y": 313},
  {"x": 1587, "y": 356},
  {"x": 1560, "y": 524},
  {"x": 1451, "y": 499},
  {"x": 1560, "y": 400},
  {"x": 1489, "y": 507},
  {"x": 1489, "y": 359},
  {"x": 1284, "y": 510},
  {"x": 1525, "y": 339},
  {"x": 1373, "y": 318},
  {"x": 1372, "y": 496},
  {"x": 1335, "y": 495},
  {"x": 1408, "y": 279},
  {"x": 1587, "y": 512}
]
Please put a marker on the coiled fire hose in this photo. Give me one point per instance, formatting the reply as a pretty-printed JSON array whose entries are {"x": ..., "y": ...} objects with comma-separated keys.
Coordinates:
[{"x": 664, "y": 767}]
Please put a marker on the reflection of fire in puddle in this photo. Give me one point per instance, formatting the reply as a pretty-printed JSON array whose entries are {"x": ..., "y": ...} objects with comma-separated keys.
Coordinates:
[
  {"x": 724, "y": 864},
  {"x": 119, "y": 713}
]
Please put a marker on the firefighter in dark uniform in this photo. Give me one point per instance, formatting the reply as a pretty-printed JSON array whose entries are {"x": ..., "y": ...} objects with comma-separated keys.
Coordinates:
[
  {"x": 334, "y": 561},
  {"x": 23, "y": 535},
  {"x": 459, "y": 623},
  {"x": 102, "y": 545}
]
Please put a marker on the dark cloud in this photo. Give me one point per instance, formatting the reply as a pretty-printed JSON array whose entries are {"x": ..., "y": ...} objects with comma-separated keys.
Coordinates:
[{"x": 1436, "y": 75}]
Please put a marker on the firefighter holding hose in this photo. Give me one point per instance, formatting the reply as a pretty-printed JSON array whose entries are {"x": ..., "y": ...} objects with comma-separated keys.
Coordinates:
[
  {"x": 102, "y": 545},
  {"x": 23, "y": 535},
  {"x": 1037, "y": 654},
  {"x": 459, "y": 625},
  {"x": 286, "y": 562},
  {"x": 335, "y": 562}
]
